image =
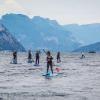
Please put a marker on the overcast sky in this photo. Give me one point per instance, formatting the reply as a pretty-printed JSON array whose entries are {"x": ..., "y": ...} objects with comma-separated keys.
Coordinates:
[{"x": 64, "y": 11}]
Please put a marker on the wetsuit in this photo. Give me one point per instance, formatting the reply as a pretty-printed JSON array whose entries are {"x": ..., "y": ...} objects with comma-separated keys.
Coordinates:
[
  {"x": 15, "y": 57},
  {"x": 58, "y": 57},
  {"x": 37, "y": 58},
  {"x": 29, "y": 57},
  {"x": 49, "y": 63}
]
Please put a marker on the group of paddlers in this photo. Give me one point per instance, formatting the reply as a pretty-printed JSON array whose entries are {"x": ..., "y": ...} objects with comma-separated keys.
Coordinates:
[{"x": 49, "y": 58}]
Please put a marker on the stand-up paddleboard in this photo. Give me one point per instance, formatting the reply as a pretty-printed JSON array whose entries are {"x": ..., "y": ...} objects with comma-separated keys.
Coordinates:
[
  {"x": 50, "y": 74},
  {"x": 15, "y": 63},
  {"x": 30, "y": 61},
  {"x": 82, "y": 57},
  {"x": 36, "y": 65}
]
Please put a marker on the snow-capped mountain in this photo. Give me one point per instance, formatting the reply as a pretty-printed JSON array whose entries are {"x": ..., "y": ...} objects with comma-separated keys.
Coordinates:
[
  {"x": 7, "y": 41},
  {"x": 38, "y": 32}
]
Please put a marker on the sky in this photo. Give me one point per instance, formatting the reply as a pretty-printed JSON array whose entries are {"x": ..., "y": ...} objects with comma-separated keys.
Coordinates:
[{"x": 64, "y": 11}]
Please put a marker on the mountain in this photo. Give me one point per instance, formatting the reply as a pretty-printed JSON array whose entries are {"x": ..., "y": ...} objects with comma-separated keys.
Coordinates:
[
  {"x": 7, "y": 41},
  {"x": 89, "y": 48},
  {"x": 86, "y": 34},
  {"x": 38, "y": 32}
]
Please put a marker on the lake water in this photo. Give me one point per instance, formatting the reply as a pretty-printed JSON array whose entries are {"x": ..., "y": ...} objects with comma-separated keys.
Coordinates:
[{"x": 79, "y": 78}]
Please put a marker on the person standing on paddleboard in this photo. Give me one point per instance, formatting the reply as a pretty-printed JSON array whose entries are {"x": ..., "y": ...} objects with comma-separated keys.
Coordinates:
[
  {"x": 58, "y": 57},
  {"x": 49, "y": 62},
  {"x": 15, "y": 57},
  {"x": 82, "y": 55},
  {"x": 37, "y": 57},
  {"x": 29, "y": 57}
]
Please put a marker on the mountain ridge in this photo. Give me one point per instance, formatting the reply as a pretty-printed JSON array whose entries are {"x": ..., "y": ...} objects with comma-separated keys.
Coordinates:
[
  {"x": 7, "y": 41},
  {"x": 88, "y": 48},
  {"x": 83, "y": 32},
  {"x": 38, "y": 32}
]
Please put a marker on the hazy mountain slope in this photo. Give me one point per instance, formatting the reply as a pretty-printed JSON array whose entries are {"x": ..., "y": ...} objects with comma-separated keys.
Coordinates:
[
  {"x": 91, "y": 47},
  {"x": 39, "y": 32},
  {"x": 7, "y": 41},
  {"x": 86, "y": 34}
]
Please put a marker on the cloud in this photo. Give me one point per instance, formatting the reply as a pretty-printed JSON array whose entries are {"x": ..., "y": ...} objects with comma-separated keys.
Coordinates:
[
  {"x": 65, "y": 11},
  {"x": 9, "y": 1},
  {"x": 12, "y": 6}
]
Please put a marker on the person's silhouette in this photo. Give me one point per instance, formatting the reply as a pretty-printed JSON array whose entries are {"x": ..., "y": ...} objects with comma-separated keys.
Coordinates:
[
  {"x": 29, "y": 57},
  {"x": 15, "y": 57},
  {"x": 58, "y": 57},
  {"x": 49, "y": 62},
  {"x": 37, "y": 57}
]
